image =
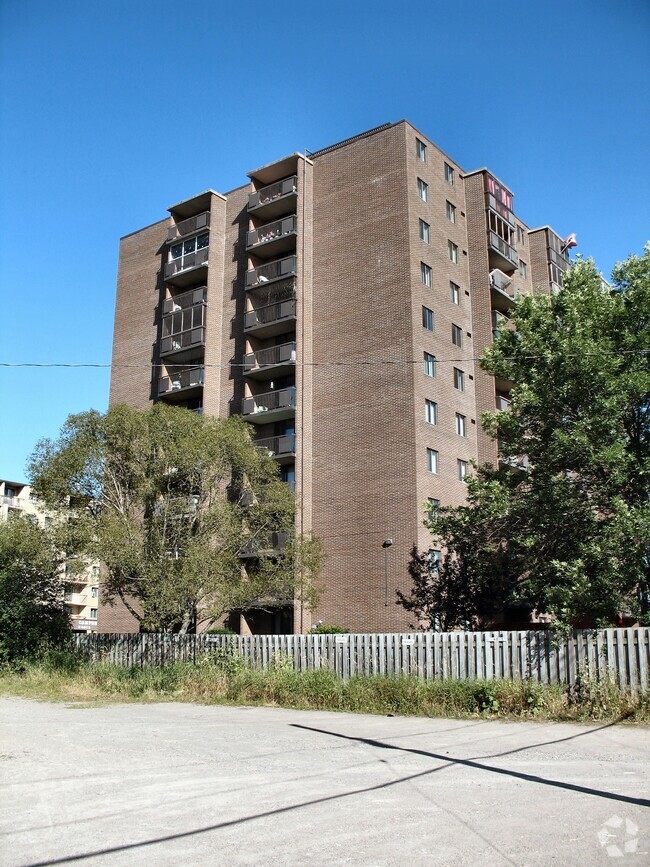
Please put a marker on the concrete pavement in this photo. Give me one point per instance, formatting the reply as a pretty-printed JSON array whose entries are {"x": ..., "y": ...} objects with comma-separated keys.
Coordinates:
[{"x": 176, "y": 784}]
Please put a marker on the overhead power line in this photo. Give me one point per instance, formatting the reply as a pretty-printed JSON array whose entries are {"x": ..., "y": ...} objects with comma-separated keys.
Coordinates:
[{"x": 344, "y": 363}]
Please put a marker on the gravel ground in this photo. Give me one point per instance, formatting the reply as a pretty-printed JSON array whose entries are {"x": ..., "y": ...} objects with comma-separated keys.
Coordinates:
[{"x": 177, "y": 784}]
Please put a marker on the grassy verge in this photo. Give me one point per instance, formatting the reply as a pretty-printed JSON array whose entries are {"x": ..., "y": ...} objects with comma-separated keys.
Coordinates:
[{"x": 224, "y": 680}]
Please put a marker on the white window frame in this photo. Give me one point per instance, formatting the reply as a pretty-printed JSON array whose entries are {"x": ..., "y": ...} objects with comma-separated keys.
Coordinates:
[
  {"x": 449, "y": 174},
  {"x": 459, "y": 379},
  {"x": 461, "y": 425},
  {"x": 523, "y": 269},
  {"x": 453, "y": 252},
  {"x": 431, "y": 412},
  {"x": 425, "y": 232},
  {"x": 432, "y": 461},
  {"x": 451, "y": 212},
  {"x": 425, "y": 273},
  {"x": 462, "y": 469},
  {"x": 420, "y": 150},
  {"x": 423, "y": 190},
  {"x": 427, "y": 318},
  {"x": 429, "y": 365},
  {"x": 454, "y": 289}
]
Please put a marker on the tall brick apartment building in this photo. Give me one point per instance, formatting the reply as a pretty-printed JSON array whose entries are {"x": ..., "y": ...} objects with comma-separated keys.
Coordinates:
[{"x": 339, "y": 301}]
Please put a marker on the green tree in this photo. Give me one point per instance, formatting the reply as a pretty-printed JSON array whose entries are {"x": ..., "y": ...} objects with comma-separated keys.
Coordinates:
[
  {"x": 32, "y": 615},
  {"x": 187, "y": 514},
  {"x": 569, "y": 536}
]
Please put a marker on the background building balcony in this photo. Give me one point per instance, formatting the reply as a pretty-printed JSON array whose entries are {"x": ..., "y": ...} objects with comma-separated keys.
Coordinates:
[
  {"x": 502, "y": 255},
  {"x": 282, "y": 448},
  {"x": 272, "y": 239},
  {"x": 256, "y": 548},
  {"x": 267, "y": 273},
  {"x": 272, "y": 319},
  {"x": 184, "y": 383},
  {"x": 275, "y": 199},
  {"x": 182, "y": 270},
  {"x": 186, "y": 227},
  {"x": 272, "y": 361},
  {"x": 270, "y": 406},
  {"x": 503, "y": 292}
]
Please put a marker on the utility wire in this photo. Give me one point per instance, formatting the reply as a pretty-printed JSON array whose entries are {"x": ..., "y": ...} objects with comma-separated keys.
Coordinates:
[{"x": 350, "y": 363}]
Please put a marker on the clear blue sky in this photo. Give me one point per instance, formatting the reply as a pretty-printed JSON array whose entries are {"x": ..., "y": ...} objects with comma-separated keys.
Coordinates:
[{"x": 111, "y": 111}]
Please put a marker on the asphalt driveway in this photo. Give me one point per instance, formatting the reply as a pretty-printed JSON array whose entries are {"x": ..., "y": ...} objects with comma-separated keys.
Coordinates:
[{"x": 177, "y": 784}]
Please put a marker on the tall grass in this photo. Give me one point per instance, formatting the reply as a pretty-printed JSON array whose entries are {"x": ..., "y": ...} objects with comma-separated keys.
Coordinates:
[{"x": 223, "y": 679}]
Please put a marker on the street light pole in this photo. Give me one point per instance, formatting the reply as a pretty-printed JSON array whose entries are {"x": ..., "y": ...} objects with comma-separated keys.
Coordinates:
[{"x": 386, "y": 545}]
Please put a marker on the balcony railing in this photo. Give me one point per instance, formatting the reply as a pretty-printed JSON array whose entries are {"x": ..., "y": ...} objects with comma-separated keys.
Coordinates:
[
  {"x": 502, "y": 403},
  {"x": 183, "y": 328},
  {"x": 75, "y": 598},
  {"x": 181, "y": 342},
  {"x": 271, "y": 232},
  {"x": 270, "y": 401},
  {"x": 272, "y": 193},
  {"x": 257, "y": 548},
  {"x": 271, "y": 271},
  {"x": 187, "y": 299},
  {"x": 501, "y": 209},
  {"x": 503, "y": 249},
  {"x": 13, "y": 502},
  {"x": 186, "y": 261},
  {"x": 279, "y": 447},
  {"x": 184, "y": 379},
  {"x": 285, "y": 353},
  {"x": 186, "y": 227},
  {"x": 270, "y": 314}
]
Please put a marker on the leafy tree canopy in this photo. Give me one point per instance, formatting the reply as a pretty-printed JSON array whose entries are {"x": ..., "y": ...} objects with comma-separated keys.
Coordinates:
[
  {"x": 176, "y": 504},
  {"x": 571, "y": 535},
  {"x": 32, "y": 615}
]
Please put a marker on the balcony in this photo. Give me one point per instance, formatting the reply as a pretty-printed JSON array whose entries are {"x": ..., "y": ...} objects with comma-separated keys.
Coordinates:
[
  {"x": 13, "y": 502},
  {"x": 501, "y": 209},
  {"x": 275, "y": 199},
  {"x": 270, "y": 362},
  {"x": 501, "y": 323},
  {"x": 282, "y": 448},
  {"x": 503, "y": 293},
  {"x": 186, "y": 227},
  {"x": 271, "y": 271},
  {"x": 270, "y": 406},
  {"x": 272, "y": 319},
  {"x": 502, "y": 403},
  {"x": 76, "y": 599},
  {"x": 185, "y": 258},
  {"x": 272, "y": 239},
  {"x": 182, "y": 384},
  {"x": 502, "y": 254},
  {"x": 255, "y": 548},
  {"x": 183, "y": 332}
]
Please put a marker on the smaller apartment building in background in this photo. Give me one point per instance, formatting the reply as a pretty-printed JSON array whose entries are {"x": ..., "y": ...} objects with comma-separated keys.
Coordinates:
[
  {"x": 339, "y": 301},
  {"x": 81, "y": 591}
]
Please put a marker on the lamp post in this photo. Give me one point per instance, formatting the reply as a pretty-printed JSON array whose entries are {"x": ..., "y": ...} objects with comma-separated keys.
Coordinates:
[{"x": 386, "y": 545}]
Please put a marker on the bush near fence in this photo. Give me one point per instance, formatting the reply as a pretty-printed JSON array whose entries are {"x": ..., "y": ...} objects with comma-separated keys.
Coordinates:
[{"x": 621, "y": 656}]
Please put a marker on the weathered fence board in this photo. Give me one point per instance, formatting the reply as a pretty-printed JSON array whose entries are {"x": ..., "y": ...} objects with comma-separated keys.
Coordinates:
[{"x": 619, "y": 655}]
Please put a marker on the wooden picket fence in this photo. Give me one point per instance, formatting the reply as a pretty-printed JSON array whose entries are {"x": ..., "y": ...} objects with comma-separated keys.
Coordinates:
[{"x": 619, "y": 655}]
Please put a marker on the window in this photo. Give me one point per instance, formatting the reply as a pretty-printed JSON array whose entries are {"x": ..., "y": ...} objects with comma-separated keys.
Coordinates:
[
  {"x": 427, "y": 319},
  {"x": 435, "y": 561},
  {"x": 453, "y": 251},
  {"x": 449, "y": 174},
  {"x": 425, "y": 271},
  {"x": 95, "y": 571},
  {"x": 459, "y": 379},
  {"x": 451, "y": 212},
  {"x": 186, "y": 248},
  {"x": 455, "y": 292},
  {"x": 434, "y": 504},
  {"x": 429, "y": 364},
  {"x": 431, "y": 411},
  {"x": 523, "y": 268},
  {"x": 47, "y": 521},
  {"x": 432, "y": 461},
  {"x": 423, "y": 190},
  {"x": 461, "y": 425},
  {"x": 93, "y": 614},
  {"x": 462, "y": 469},
  {"x": 94, "y": 592},
  {"x": 521, "y": 234},
  {"x": 420, "y": 150},
  {"x": 456, "y": 335},
  {"x": 425, "y": 232}
]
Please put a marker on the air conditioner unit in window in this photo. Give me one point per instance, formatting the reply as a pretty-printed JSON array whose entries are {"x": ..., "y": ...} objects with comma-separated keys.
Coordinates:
[{"x": 500, "y": 280}]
